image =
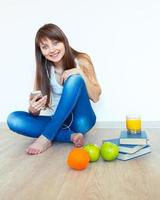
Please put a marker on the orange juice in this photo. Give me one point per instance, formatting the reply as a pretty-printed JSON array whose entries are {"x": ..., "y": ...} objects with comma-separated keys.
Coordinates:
[{"x": 133, "y": 124}]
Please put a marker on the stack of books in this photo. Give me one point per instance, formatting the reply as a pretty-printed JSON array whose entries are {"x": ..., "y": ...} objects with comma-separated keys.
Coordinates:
[{"x": 131, "y": 145}]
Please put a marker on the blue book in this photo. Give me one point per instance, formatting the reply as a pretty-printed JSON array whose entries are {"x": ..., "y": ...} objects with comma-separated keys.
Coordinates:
[
  {"x": 133, "y": 139},
  {"x": 141, "y": 152},
  {"x": 125, "y": 148}
]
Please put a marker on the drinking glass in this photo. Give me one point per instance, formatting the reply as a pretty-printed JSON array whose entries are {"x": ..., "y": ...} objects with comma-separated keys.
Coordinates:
[{"x": 133, "y": 123}]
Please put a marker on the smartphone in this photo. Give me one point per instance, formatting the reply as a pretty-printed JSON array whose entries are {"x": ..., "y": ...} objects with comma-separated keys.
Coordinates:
[{"x": 34, "y": 93}]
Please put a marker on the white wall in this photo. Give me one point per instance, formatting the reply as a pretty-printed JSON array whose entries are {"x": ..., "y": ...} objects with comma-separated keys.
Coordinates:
[{"x": 122, "y": 38}]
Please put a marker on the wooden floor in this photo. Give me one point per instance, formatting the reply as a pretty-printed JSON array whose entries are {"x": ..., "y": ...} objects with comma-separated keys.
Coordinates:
[{"x": 47, "y": 177}]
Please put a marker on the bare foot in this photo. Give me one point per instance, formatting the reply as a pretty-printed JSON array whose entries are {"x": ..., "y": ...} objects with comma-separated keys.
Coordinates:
[
  {"x": 40, "y": 145},
  {"x": 77, "y": 139}
]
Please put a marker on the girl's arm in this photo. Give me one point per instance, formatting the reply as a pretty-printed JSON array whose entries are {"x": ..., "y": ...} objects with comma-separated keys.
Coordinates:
[
  {"x": 89, "y": 76},
  {"x": 87, "y": 72}
]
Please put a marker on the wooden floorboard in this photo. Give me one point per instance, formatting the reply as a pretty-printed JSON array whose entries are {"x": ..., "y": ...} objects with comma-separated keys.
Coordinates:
[{"x": 47, "y": 177}]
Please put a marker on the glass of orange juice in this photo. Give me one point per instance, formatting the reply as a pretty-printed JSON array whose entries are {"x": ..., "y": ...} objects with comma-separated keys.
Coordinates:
[{"x": 133, "y": 123}]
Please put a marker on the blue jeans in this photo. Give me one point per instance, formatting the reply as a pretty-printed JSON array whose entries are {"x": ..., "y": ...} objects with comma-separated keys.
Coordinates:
[{"x": 74, "y": 114}]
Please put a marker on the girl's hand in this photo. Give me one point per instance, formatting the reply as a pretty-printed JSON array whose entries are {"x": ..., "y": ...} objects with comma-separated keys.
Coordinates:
[
  {"x": 37, "y": 103},
  {"x": 68, "y": 73}
]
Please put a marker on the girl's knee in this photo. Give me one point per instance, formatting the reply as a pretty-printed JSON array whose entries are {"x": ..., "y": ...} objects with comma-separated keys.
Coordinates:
[
  {"x": 14, "y": 120},
  {"x": 74, "y": 80}
]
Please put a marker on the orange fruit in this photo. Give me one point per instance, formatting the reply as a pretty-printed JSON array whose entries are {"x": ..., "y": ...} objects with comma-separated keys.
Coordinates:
[{"x": 78, "y": 158}]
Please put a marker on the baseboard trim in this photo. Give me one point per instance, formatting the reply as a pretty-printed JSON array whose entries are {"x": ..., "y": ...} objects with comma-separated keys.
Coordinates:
[
  {"x": 120, "y": 124},
  {"x": 110, "y": 124}
]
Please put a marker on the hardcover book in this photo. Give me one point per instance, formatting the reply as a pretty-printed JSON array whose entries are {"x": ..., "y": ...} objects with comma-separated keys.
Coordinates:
[
  {"x": 125, "y": 148},
  {"x": 133, "y": 139},
  {"x": 126, "y": 156}
]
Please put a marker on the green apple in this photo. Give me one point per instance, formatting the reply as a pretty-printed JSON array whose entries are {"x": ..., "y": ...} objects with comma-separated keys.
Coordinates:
[
  {"x": 93, "y": 151},
  {"x": 109, "y": 151}
]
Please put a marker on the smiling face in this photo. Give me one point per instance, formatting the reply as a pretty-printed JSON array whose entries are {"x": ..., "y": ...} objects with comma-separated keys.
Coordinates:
[{"x": 53, "y": 51}]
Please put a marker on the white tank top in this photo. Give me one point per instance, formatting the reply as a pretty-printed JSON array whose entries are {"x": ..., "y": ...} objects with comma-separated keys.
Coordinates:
[{"x": 56, "y": 91}]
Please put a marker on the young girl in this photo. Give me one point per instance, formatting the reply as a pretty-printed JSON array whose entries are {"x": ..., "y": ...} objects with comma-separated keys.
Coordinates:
[{"x": 67, "y": 81}]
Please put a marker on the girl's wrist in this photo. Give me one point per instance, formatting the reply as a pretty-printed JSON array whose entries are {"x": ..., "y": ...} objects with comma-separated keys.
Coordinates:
[
  {"x": 33, "y": 113},
  {"x": 80, "y": 72},
  {"x": 30, "y": 111}
]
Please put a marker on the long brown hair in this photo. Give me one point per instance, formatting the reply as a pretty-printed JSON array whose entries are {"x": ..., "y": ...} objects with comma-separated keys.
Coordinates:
[{"x": 52, "y": 32}]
